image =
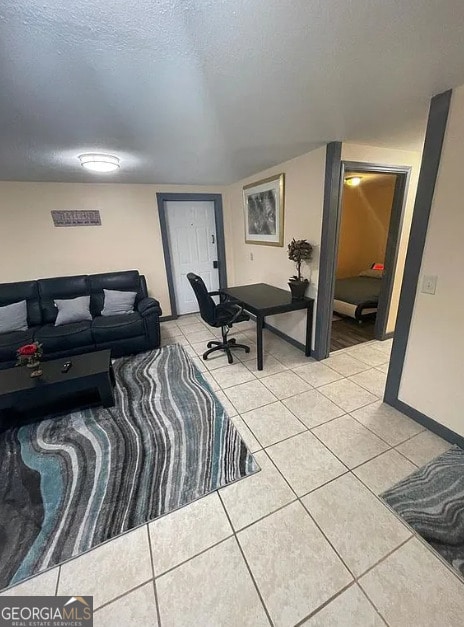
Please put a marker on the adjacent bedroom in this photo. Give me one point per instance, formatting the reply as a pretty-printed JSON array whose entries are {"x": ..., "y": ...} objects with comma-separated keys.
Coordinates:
[{"x": 366, "y": 211}]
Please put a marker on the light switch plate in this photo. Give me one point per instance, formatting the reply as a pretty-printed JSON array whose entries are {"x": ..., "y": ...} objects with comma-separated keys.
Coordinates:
[{"x": 429, "y": 284}]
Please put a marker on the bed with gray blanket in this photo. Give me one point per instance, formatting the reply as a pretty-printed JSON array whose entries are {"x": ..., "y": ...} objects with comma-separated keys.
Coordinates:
[{"x": 358, "y": 296}]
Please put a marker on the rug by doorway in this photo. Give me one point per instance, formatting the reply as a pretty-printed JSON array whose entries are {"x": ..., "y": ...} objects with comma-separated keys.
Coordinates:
[
  {"x": 431, "y": 500},
  {"x": 69, "y": 483}
]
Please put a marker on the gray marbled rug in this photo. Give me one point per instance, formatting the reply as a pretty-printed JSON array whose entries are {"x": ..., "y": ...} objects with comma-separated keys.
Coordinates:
[
  {"x": 431, "y": 500},
  {"x": 68, "y": 483}
]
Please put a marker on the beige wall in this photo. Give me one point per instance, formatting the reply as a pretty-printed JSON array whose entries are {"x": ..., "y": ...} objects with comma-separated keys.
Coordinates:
[
  {"x": 432, "y": 374},
  {"x": 304, "y": 190},
  {"x": 365, "y": 220},
  {"x": 373, "y": 154},
  {"x": 129, "y": 238}
]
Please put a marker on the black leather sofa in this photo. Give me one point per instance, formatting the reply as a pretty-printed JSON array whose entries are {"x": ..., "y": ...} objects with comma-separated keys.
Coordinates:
[{"x": 124, "y": 334}]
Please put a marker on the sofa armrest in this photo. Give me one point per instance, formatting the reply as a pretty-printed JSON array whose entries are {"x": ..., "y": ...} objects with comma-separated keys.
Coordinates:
[{"x": 148, "y": 307}]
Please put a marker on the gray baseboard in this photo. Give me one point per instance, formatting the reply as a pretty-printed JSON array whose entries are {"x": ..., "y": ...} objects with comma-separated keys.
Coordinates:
[
  {"x": 286, "y": 337},
  {"x": 426, "y": 421},
  {"x": 168, "y": 318}
]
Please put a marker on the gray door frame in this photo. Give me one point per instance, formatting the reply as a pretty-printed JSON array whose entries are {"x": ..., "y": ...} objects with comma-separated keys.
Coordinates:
[
  {"x": 336, "y": 170},
  {"x": 162, "y": 198}
]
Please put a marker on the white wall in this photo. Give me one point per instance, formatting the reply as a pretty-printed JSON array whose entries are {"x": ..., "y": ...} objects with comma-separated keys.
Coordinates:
[
  {"x": 129, "y": 238},
  {"x": 304, "y": 192},
  {"x": 432, "y": 380},
  {"x": 389, "y": 156}
]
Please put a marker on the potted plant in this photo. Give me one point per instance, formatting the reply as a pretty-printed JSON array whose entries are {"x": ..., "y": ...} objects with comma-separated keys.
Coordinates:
[
  {"x": 29, "y": 355},
  {"x": 299, "y": 250}
]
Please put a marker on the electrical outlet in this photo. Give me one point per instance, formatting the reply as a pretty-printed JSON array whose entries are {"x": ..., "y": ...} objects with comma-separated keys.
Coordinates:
[
  {"x": 429, "y": 284},
  {"x": 251, "y": 256}
]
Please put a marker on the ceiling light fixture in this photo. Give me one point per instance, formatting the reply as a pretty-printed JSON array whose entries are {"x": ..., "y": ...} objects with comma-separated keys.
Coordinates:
[
  {"x": 353, "y": 181},
  {"x": 99, "y": 162}
]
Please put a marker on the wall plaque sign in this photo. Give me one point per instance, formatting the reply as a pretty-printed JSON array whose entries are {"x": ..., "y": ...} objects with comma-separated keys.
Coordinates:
[{"x": 76, "y": 218}]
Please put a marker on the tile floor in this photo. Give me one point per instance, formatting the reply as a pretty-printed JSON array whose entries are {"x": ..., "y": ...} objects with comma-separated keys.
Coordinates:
[{"x": 306, "y": 541}]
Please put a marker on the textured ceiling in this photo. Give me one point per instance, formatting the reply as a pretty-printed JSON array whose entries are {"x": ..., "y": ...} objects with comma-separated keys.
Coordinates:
[{"x": 209, "y": 91}]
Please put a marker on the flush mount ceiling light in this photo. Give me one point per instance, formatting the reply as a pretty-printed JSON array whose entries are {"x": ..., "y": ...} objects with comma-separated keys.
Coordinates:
[
  {"x": 353, "y": 181},
  {"x": 99, "y": 162}
]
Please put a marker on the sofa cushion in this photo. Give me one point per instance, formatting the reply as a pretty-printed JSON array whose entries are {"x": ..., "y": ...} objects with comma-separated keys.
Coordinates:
[
  {"x": 127, "y": 281},
  {"x": 67, "y": 336},
  {"x": 60, "y": 288},
  {"x": 10, "y": 342},
  {"x": 108, "y": 328},
  {"x": 13, "y": 317},
  {"x": 118, "y": 303},
  {"x": 24, "y": 290},
  {"x": 72, "y": 310}
]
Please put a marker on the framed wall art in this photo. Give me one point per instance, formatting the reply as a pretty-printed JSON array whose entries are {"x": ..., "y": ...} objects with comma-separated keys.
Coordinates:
[
  {"x": 263, "y": 204},
  {"x": 77, "y": 218}
]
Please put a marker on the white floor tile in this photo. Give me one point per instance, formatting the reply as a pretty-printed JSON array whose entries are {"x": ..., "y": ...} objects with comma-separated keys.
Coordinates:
[
  {"x": 232, "y": 374},
  {"x": 413, "y": 588},
  {"x": 212, "y": 589},
  {"x": 272, "y": 423},
  {"x": 271, "y": 365},
  {"x": 345, "y": 364},
  {"x": 247, "y": 396},
  {"x": 305, "y": 462},
  {"x": 256, "y": 496},
  {"x": 187, "y": 531},
  {"x": 387, "y": 422},
  {"x": 359, "y": 526},
  {"x": 347, "y": 395},
  {"x": 384, "y": 471},
  {"x": 110, "y": 569},
  {"x": 423, "y": 447},
  {"x": 369, "y": 355},
  {"x": 132, "y": 610},
  {"x": 350, "y": 609},
  {"x": 313, "y": 408},
  {"x": 43, "y": 585},
  {"x": 372, "y": 380},
  {"x": 295, "y": 568},
  {"x": 317, "y": 374},
  {"x": 350, "y": 441},
  {"x": 285, "y": 384}
]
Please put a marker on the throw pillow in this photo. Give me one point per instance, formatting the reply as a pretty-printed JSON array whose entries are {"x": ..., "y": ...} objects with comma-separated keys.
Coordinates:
[
  {"x": 72, "y": 310},
  {"x": 117, "y": 303},
  {"x": 13, "y": 317}
]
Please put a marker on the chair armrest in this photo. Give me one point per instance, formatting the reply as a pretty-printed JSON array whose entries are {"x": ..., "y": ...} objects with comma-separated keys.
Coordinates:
[
  {"x": 148, "y": 307},
  {"x": 223, "y": 295}
]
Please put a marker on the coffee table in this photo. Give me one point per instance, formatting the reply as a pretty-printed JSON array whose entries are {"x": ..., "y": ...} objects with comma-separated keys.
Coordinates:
[{"x": 89, "y": 381}]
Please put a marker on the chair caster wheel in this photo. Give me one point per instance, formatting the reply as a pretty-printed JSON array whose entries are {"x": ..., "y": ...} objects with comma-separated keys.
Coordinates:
[
  {"x": 209, "y": 345},
  {"x": 232, "y": 341},
  {"x": 247, "y": 349}
]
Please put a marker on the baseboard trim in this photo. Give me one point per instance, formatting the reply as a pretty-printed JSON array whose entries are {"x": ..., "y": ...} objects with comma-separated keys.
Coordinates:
[
  {"x": 167, "y": 318},
  {"x": 426, "y": 421},
  {"x": 388, "y": 336},
  {"x": 286, "y": 337}
]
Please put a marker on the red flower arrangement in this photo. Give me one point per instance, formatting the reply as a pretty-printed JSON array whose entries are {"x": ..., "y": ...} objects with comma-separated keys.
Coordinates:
[{"x": 29, "y": 355}]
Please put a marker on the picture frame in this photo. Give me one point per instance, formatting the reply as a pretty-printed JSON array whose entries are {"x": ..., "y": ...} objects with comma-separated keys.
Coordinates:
[{"x": 263, "y": 206}]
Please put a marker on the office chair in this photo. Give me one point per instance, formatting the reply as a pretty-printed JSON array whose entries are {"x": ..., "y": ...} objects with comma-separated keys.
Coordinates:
[{"x": 223, "y": 315}]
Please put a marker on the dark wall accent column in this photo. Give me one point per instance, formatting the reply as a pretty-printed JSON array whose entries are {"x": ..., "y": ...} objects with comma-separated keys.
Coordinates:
[
  {"x": 328, "y": 257},
  {"x": 436, "y": 128}
]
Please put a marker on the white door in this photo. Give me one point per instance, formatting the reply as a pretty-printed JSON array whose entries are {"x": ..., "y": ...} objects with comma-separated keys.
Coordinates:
[{"x": 193, "y": 247}]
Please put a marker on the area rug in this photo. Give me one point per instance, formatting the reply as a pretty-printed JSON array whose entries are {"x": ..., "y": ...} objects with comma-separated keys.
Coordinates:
[
  {"x": 431, "y": 500},
  {"x": 69, "y": 483}
]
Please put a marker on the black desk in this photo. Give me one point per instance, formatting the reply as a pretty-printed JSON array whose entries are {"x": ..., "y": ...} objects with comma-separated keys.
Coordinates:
[{"x": 261, "y": 300}]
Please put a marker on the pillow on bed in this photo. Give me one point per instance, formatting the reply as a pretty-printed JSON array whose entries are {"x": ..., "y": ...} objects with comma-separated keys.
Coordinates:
[{"x": 372, "y": 274}]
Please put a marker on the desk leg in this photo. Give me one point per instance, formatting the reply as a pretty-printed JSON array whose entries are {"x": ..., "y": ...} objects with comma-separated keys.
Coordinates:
[
  {"x": 259, "y": 340},
  {"x": 309, "y": 330}
]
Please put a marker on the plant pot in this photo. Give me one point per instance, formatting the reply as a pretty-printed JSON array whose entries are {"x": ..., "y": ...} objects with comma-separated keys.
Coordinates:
[{"x": 298, "y": 289}]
